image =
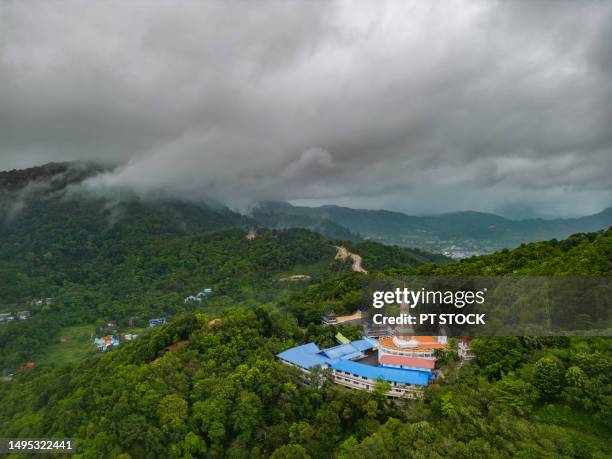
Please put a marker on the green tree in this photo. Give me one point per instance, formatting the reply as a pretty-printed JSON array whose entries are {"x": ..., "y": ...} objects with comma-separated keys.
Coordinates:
[
  {"x": 447, "y": 405},
  {"x": 381, "y": 389},
  {"x": 172, "y": 412},
  {"x": 514, "y": 392},
  {"x": 548, "y": 377},
  {"x": 290, "y": 452},
  {"x": 575, "y": 377}
]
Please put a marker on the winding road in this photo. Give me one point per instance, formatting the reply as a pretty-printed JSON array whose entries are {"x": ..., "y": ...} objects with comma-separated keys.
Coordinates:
[{"x": 342, "y": 254}]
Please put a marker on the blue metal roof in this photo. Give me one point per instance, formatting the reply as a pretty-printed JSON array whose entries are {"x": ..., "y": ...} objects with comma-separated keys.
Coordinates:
[
  {"x": 305, "y": 356},
  {"x": 349, "y": 351},
  {"x": 362, "y": 345},
  {"x": 342, "y": 351},
  {"x": 420, "y": 378}
]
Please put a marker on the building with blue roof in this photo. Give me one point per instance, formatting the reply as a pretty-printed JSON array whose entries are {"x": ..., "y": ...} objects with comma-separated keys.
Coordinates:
[
  {"x": 344, "y": 361},
  {"x": 362, "y": 345},
  {"x": 343, "y": 351},
  {"x": 157, "y": 321},
  {"x": 392, "y": 375},
  {"x": 305, "y": 356}
]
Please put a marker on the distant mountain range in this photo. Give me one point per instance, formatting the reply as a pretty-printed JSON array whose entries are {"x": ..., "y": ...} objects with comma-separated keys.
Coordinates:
[
  {"x": 456, "y": 234},
  {"x": 35, "y": 197}
]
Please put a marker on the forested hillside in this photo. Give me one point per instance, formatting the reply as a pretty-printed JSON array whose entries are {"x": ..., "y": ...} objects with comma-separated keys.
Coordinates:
[
  {"x": 580, "y": 254},
  {"x": 124, "y": 259},
  {"x": 120, "y": 258},
  {"x": 123, "y": 277},
  {"x": 269, "y": 216},
  {"x": 378, "y": 257}
]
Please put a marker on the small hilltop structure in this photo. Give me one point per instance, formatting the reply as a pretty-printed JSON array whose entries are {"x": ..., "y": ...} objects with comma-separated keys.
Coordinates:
[
  {"x": 199, "y": 297},
  {"x": 331, "y": 319},
  {"x": 252, "y": 234},
  {"x": 157, "y": 322}
]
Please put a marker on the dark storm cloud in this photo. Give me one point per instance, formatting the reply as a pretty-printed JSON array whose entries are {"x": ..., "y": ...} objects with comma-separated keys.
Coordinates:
[{"x": 419, "y": 106}]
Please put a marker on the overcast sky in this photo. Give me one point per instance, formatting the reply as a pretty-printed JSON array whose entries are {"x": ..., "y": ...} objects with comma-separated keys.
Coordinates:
[{"x": 423, "y": 106}]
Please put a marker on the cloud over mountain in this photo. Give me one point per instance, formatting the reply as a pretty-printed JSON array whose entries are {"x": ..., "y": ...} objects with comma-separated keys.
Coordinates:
[{"x": 417, "y": 106}]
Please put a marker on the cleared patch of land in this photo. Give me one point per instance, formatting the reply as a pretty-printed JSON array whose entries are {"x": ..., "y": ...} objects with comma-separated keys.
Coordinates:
[
  {"x": 295, "y": 278},
  {"x": 72, "y": 344}
]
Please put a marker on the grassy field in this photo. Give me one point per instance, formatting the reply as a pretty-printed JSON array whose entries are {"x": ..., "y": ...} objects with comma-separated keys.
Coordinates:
[{"x": 73, "y": 344}]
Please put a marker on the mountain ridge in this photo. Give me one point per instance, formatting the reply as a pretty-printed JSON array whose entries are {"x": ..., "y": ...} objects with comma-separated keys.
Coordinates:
[
  {"x": 456, "y": 234},
  {"x": 465, "y": 232}
]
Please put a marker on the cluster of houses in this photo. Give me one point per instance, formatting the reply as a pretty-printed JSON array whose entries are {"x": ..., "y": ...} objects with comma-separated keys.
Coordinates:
[
  {"x": 407, "y": 363},
  {"x": 106, "y": 343},
  {"x": 9, "y": 316},
  {"x": 38, "y": 302},
  {"x": 8, "y": 377},
  {"x": 24, "y": 315},
  {"x": 198, "y": 297}
]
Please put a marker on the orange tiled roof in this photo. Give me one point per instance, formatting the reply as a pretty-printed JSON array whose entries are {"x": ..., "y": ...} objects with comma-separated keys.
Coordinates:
[{"x": 424, "y": 343}]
